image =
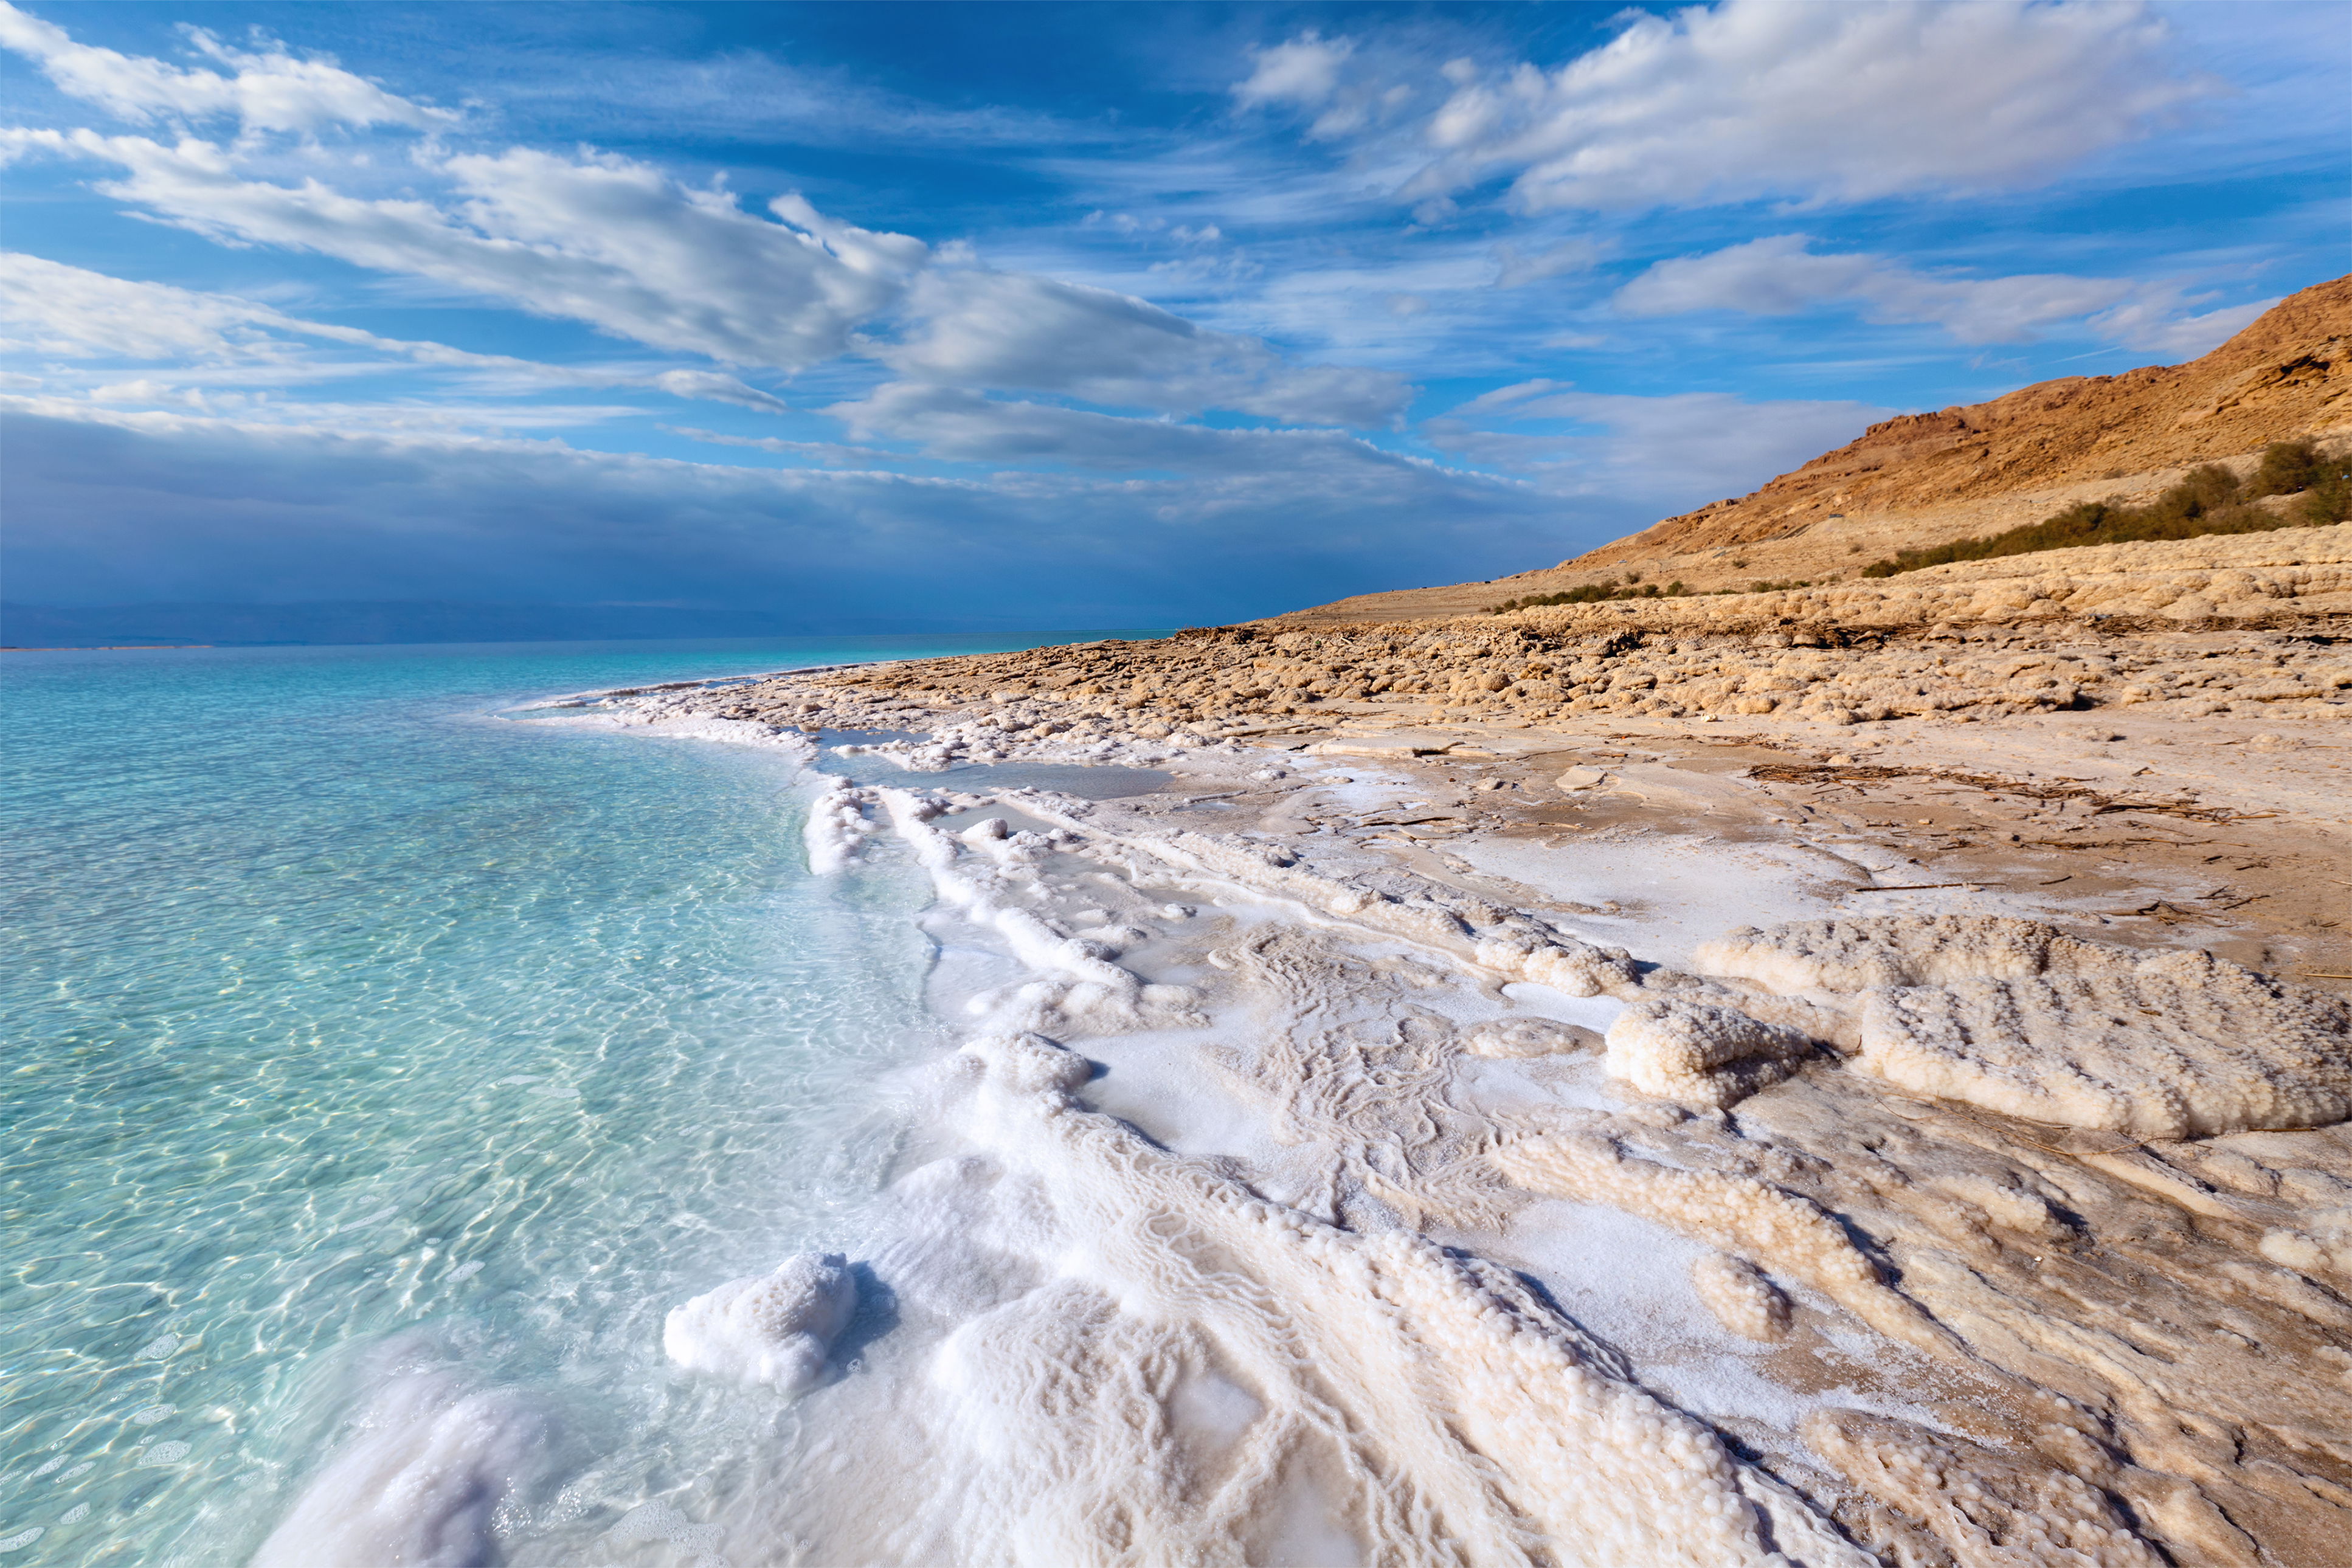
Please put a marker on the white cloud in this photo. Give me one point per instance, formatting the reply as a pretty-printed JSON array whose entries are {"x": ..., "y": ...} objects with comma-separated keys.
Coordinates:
[
  {"x": 1671, "y": 453},
  {"x": 959, "y": 426},
  {"x": 71, "y": 313},
  {"x": 1515, "y": 268},
  {"x": 2152, "y": 323},
  {"x": 1304, "y": 71},
  {"x": 269, "y": 89},
  {"x": 1807, "y": 99},
  {"x": 1020, "y": 332},
  {"x": 1780, "y": 276},
  {"x": 597, "y": 238}
]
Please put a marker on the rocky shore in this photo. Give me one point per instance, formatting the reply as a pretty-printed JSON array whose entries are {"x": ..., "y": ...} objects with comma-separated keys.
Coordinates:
[{"x": 1966, "y": 961}]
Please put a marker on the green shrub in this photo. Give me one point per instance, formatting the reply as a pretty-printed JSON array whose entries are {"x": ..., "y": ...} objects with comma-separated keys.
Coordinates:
[
  {"x": 2287, "y": 466},
  {"x": 2207, "y": 500},
  {"x": 1594, "y": 593},
  {"x": 2327, "y": 500}
]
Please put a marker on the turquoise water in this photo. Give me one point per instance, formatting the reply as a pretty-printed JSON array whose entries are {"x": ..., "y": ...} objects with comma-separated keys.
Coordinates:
[{"x": 349, "y": 1024}]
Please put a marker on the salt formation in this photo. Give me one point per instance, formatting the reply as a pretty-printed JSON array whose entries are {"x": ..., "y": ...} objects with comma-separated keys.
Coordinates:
[
  {"x": 1138, "y": 1355},
  {"x": 1527, "y": 1037},
  {"x": 1446, "y": 1413},
  {"x": 1989, "y": 1510},
  {"x": 774, "y": 1329},
  {"x": 435, "y": 1461},
  {"x": 1700, "y": 1054},
  {"x": 2015, "y": 1016},
  {"x": 836, "y": 827},
  {"x": 1861, "y": 955},
  {"x": 1740, "y": 1297}
]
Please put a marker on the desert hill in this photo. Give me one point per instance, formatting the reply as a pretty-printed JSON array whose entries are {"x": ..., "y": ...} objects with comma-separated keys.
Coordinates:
[{"x": 1921, "y": 480}]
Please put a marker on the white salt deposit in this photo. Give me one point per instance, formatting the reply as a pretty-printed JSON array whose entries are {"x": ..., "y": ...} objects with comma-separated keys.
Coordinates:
[
  {"x": 774, "y": 1329},
  {"x": 835, "y": 828},
  {"x": 422, "y": 1480},
  {"x": 1700, "y": 1054},
  {"x": 2015, "y": 1016},
  {"x": 1740, "y": 1297}
]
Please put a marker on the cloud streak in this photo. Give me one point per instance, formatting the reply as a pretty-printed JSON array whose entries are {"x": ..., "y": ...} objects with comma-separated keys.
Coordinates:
[{"x": 1780, "y": 275}]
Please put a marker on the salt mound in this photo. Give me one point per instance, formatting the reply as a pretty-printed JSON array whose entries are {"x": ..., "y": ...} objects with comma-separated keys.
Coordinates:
[
  {"x": 774, "y": 1329},
  {"x": 2181, "y": 1046},
  {"x": 2019, "y": 1018},
  {"x": 1700, "y": 1054},
  {"x": 1895, "y": 950}
]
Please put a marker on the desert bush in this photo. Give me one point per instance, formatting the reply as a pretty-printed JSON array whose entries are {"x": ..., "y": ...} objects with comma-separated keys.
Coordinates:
[
  {"x": 2287, "y": 467},
  {"x": 1594, "y": 593},
  {"x": 2207, "y": 500}
]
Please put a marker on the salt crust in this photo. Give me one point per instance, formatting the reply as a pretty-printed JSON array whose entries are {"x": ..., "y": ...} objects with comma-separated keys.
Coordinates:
[
  {"x": 1087, "y": 1326},
  {"x": 1700, "y": 1054},
  {"x": 2015, "y": 1016},
  {"x": 1987, "y": 1509},
  {"x": 1459, "y": 1418},
  {"x": 1739, "y": 1296},
  {"x": 774, "y": 1329},
  {"x": 1476, "y": 1425},
  {"x": 1526, "y": 1037}
]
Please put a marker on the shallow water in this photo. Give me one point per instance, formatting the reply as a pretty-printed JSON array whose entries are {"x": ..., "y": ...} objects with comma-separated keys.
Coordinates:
[{"x": 347, "y": 1021}]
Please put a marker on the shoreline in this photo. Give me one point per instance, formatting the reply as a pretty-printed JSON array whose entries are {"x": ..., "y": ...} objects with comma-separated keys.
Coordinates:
[{"x": 1930, "y": 1287}]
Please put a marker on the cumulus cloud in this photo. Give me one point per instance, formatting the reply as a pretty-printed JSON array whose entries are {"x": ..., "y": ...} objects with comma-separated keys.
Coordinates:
[
  {"x": 1807, "y": 99},
  {"x": 1304, "y": 71},
  {"x": 975, "y": 328},
  {"x": 263, "y": 90},
  {"x": 1671, "y": 453},
  {"x": 1781, "y": 275}
]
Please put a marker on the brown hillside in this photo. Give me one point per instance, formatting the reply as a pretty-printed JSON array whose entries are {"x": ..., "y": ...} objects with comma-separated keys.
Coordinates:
[{"x": 1920, "y": 479}]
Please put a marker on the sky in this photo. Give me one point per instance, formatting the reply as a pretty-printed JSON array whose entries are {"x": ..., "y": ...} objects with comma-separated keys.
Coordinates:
[{"x": 948, "y": 315}]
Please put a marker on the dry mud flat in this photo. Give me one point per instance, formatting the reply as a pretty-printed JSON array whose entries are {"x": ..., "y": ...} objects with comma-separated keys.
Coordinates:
[{"x": 1621, "y": 1135}]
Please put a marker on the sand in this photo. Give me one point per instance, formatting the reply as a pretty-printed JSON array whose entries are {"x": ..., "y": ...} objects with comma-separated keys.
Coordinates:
[{"x": 1517, "y": 1095}]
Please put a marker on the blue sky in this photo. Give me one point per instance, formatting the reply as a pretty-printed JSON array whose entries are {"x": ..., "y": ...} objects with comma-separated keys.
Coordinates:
[{"x": 1067, "y": 316}]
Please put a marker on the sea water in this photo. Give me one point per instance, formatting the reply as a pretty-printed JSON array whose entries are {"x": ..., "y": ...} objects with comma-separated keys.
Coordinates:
[{"x": 356, "y": 1028}]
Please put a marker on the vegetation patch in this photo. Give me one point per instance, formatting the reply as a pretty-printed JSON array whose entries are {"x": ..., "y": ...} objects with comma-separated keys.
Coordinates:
[
  {"x": 1594, "y": 593},
  {"x": 2210, "y": 500}
]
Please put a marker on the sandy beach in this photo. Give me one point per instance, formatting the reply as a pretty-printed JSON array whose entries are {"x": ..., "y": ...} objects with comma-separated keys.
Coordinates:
[{"x": 1586, "y": 1113}]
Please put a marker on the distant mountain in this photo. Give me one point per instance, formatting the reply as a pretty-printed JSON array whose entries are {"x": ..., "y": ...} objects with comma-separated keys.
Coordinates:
[{"x": 39, "y": 626}]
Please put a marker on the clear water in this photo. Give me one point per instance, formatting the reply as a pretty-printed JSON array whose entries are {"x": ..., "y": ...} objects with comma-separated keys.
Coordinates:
[{"x": 346, "y": 1020}]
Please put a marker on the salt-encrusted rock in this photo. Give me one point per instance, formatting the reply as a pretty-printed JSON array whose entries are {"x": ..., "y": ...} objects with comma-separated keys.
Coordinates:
[
  {"x": 2184, "y": 1045},
  {"x": 1861, "y": 955},
  {"x": 775, "y": 1329},
  {"x": 2017, "y": 1017},
  {"x": 1700, "y": 1054},
  {"x": 1987, "y": 1509}
]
